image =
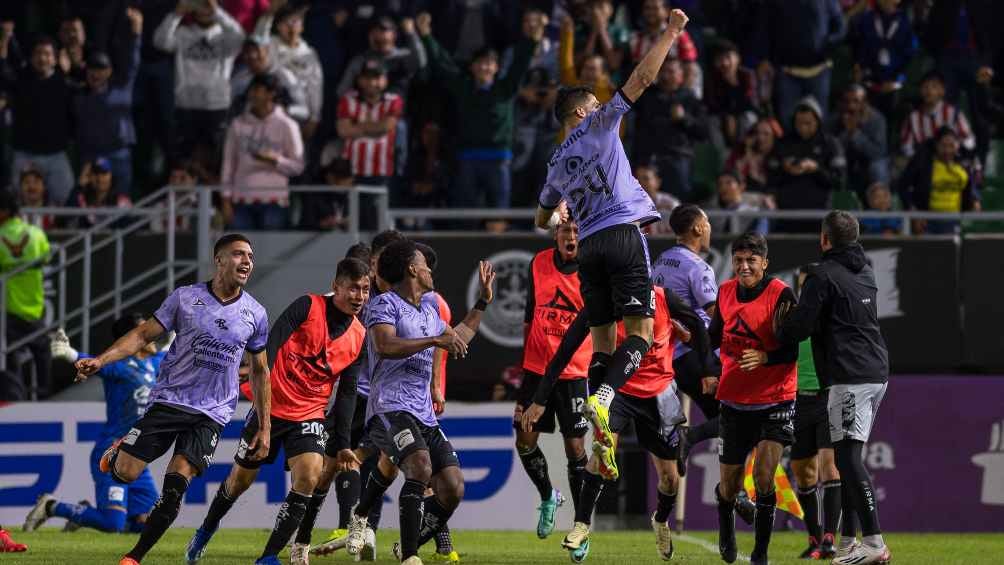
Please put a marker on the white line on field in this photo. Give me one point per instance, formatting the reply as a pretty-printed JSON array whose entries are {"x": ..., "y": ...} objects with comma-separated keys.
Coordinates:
[{"x": 707, "y": 545}]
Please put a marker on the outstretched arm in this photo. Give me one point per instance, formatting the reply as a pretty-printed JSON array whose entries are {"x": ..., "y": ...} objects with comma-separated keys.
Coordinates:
[
  {"x": 125, "y": 346},
  {"x": 648, "y": 69}
]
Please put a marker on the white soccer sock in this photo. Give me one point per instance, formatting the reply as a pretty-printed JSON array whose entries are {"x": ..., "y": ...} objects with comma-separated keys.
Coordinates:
[
  {"x": 875, "y": 541},
  {"x": 846, "y": 541}
]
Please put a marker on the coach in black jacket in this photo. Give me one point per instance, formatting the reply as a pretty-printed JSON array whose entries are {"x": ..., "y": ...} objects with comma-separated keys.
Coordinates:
[{"x": 838, "y": 306}]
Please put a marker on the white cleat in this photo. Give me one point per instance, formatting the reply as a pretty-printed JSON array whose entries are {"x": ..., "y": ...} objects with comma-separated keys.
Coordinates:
[
  {"x": 844, "y": 551},
  {"x": 299, "y": 554},
  {"x": 38, "y": 515},
  {"x": 663, "y": 539},
  {"x": 413, "y": 560},
  {"x": 576, "y": 537},
  {"x": 357, "y": 534},
  {"x": 864, "y": 554},
  {"x": 368, "y": 552}
]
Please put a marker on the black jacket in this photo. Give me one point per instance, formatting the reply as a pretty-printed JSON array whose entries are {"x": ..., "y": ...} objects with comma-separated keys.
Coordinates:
[
  {"x": 658, "y": 134},
  {"x": 838, "y": 308}
]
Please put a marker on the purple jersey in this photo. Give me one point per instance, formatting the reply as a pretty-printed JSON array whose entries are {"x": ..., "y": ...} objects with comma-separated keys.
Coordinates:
[
  {"x": 684, "y": 272},
  {"x": 591, "y": 172},
  {"x": 363, "y": 382},
  {"x": 403, "y": 384},
  {"x": 200, "y": 370}
]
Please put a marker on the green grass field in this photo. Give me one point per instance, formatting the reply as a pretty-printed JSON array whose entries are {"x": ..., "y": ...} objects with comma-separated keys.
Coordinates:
[{"x": 52, "y": 547}]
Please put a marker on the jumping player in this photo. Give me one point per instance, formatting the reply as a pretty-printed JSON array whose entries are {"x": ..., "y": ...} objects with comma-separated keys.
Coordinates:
[
  {"x": 757, "y": 390},
  {"x": 403, "y": 330},
  {"x": 127, "y": 384},
  {"x": 591, "y": 173},
  {"x": 553, "y": 302},
  {"x": 196, "y": 392},
  {"x": 316, "y": 342}
]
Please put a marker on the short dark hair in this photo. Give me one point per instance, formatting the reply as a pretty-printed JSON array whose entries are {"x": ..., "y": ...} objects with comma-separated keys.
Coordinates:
[
  {"x": 127, "y": 323},
  {"x": 43, "y": 40},
  {"x": 226, "y": 240},
  {"x": 431, "y": 259},
  {"x": 383, "y": 239},
  {"x": 485, "y": 52},
  {"x": 723, "y": 47},
  {"x": 683, "y": 218},
  {"x": 266, "y": 80},
  {"x": 569, "y": 98},
  {"x": 359, "y": 251},
  {"x": 352, "y": 269},
  {"x": 753, "y": 242},
  {"x": 933, "y": 74},
  {"x": 394, "y": 260},
  {"x": 8, "y": 202},
  {"x": 841, "y": 228}
]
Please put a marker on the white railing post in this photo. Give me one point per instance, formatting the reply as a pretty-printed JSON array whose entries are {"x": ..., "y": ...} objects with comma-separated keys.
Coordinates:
[
  {"x": 354, "y": 212},
  {"x": 85, "y": 296},
  {"x": 3, "y": 324},
  {"x": 203, "y": 218},
  {"x": 61, "y": 296},
  {"x": 119, "y": 251},
  {"x": 171, "y": 223}
]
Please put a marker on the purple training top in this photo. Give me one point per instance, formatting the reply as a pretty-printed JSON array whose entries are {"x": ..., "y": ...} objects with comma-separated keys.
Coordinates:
[
  {"x": 363, "y": 383},
  {"x": 200, "y": 370},
  {"x": 591, "y": 172},
  {"x": 684, "y": 272},
  {"x": 403, "y": 384}
]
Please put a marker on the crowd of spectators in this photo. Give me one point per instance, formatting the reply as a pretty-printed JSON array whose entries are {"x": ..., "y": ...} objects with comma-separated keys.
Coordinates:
[{"x": 448, "y": 103}]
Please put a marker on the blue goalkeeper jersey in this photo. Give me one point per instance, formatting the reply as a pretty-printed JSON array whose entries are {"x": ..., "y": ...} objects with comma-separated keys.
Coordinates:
[{"x": 127, "y": 386}]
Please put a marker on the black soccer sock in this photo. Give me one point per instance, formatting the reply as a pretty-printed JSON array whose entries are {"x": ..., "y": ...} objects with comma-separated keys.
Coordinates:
[
  {"x": 726, "y": 526},
  {"x": 702, "y": 432},
  {"x": 626, "y": 360},
  {"x": 434, "y": 517},
  {"x": 763, "y": 524},
  {"x": 576, "y": 474},
  {"x": 810, "y": 507},
  {"x": 222, "y": 503},
  {"x": 410, "y": 505},
  {"x": 848, "y": 516},
  {"x": 286, "y": 522},
  {"x": 831, "y": 506},
  {"x": 444, "y": 541},
  {"x": 162, "y": 515},
  {"x": 373, "y": 493},
  {"x": 854, "y": 478},
  {"x": 370, "y": 466},
  {"x": 310, "y": 516},
  {"x": 592, "y": 487},
  {"x": 535, "y": 465},
  {"x": 664, "y": 507},
  {"x": 347, "y": 491},
  {"x": 598, "y": 370}
]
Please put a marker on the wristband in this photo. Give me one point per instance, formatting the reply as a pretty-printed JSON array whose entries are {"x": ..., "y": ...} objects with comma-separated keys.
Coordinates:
[{"x": 480, "y": 304}]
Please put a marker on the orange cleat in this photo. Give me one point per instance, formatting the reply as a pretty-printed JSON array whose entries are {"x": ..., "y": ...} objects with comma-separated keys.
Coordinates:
[
  {"x": 128, "y": 561},
  {"x": 8, "y": 545},
  {"x": 105, "y": 465}
]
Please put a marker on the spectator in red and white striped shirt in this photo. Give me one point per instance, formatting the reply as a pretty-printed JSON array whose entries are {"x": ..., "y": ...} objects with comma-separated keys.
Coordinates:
[
  {"x": 655, "y": 14},
  {"x": 934, "y": 113},
  {"x": 367, "y": 118}
]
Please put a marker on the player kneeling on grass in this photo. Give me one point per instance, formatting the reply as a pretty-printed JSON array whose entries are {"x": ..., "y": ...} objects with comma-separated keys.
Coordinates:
[
  {"x": 403, "y": 330},
  {"x": 316, "y": 342},
  {"x": 127, "y": 384},
  {"x": 648, "y": 401}
]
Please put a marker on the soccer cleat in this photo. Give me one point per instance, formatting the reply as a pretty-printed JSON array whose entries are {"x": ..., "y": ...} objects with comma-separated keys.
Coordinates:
[
  {"x": 607, "y": 458},
  {"x": 663, "y": 539},
  {"x": 683, "y": 452},
  {"x": 844, "y": 551},
  {"x": 299, "y": 554},
  {"x": 336, "y": 541},
  {"x": 759, "y": 561},
  {"x": 128, "y": 561},
  {"x": 811, "y": 552},
  {"x": 72, "y": 526},
  {"x": 826, "y": 550},
  {"x": 576, "y": 537},
  {"x": 105, "y": 464},
  {"x": 357, "y": 534},
  {"x": 7, "y": 545},
  {"x": 269, "y": 560},
  {"x": 338, "y": 533},
  {"x": 579, "y": 555},
  {"x": 745, "y": 508},
  {"x": 863, "y": 555},
  {"x": 451, "y": 557},
  {"x": 197, "y": 546},
  {"x": 599, "y": 415},
  {"x": 413, "y": 560},
  {"x": 368, "y": 551},
  {"x": 39, "y": 513},
  {"x": 547, "y": 509}
]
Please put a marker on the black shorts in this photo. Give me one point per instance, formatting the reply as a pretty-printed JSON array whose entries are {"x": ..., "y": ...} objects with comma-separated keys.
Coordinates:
[
  {"x": 614, "y": 275},
  {"x": 657, "y": 430},
  {"x": 568, "y": 397},
  {"x": 399, "y": 434},
  {"x": 812, "y": 427},
  {"x": 742, "y": 430},
  {"x": 194, "y": 436},
  {"x": 295, "y": 438}
]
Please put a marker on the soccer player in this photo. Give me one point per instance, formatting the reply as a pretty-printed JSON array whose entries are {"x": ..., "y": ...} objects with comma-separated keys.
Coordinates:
[
  {"x": 553, "y": 301},
  {"x": 648, "y": 401},
  {"x": 127, "y": 384},
  {"x": 196, "y": 392},
  {"x": 8, "y": 545},
  {"x": 316, "y": 342},
  {"x": 682, "y": 270},
  {"x": 756, "y": 389},
  {"x": 591, "y": 173},
  {"x": 403, "y": 330},
  {"x": 838, "y": 308}
]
